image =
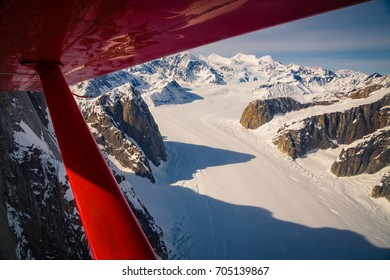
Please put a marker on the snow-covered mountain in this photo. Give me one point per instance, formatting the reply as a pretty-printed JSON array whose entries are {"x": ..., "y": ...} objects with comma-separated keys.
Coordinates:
[
  {"x": 183, "y": 67},
  {"x": 169, "y": 92},
  {"x": 170, "y": 79}
]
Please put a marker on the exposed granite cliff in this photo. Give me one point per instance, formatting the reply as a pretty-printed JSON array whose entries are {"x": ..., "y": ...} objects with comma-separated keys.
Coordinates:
[
  {"x": 344, "y": 127},
  {"x": 115, "y": 142},
  {"x": 38, "y": 220},
  {"x": 383, "y": 188},
  {"x": 120, "y": 119},
  {"x": 368, "y": 156},
  {"x": 364, "y": 92},
  {"x": 259, "y": 112},
  {"x": 310, "y": 135}
]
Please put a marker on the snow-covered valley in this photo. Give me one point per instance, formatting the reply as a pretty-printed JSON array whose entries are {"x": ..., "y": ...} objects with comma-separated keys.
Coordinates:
[{"x": 227, "y": 193}]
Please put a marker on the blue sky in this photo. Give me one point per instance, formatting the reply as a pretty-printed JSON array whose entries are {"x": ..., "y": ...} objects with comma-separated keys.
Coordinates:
[{"x": 356, "y": 37}]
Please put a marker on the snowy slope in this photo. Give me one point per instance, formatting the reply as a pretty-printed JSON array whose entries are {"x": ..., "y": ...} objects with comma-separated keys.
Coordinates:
[
  {"x": 168, "y": 92},
  {"x": 103, "y": 84}
]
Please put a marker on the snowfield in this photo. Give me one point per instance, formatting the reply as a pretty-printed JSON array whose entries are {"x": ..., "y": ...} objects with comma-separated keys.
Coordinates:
[{"x": 227, "y": 193}]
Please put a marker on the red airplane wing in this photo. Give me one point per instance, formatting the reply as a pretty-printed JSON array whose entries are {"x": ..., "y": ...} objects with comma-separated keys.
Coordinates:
[{"x": 94, "y": 37}]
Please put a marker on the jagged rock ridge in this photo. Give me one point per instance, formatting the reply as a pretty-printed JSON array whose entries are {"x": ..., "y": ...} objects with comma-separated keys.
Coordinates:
[
  {"x": 344, "y": 127},
  {"x": 121, "y": 116},
  {"x": 103, "y": 84},
  {"x": 368, "y": 156},
  {"x": 183, "y": 67},
  {"x": 364, "y": 92},
  {"x": 260, "y": 111},
  {"x": 38, "y": 219},
  {"x": 383, "y": 188}
]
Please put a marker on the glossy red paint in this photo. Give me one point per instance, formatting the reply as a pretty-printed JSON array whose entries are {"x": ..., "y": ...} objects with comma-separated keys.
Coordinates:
[
  {"x": 112, "y": 230},
  {"x": 95, "y": 37}
]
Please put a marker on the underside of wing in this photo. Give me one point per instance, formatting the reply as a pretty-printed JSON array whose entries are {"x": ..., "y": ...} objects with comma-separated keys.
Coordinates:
[{"x": 94, "y": 37}]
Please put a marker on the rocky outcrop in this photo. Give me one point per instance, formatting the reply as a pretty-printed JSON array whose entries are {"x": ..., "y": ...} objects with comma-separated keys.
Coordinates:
[
  {"x": 124, "y": 126},
  {"x": 383, "y": 188},
  {"x": 368, "y": 156},
  {"x": 364, "y": 92},
  {"x": 115, "y": 142},
  {"x": 169, "y": 92},
  {"x": 320, "y": 131},
  {"x": 38, "y": 218},
  {"x": 297, "y": 141},
  {"x": 259, "y": 112}
]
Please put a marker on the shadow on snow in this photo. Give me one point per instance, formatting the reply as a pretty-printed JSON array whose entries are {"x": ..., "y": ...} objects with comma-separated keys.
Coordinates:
[
  {"x": 201, "y": 227},
  {"x": 186, "y": 159},
  {"x": 213, "y": 229}
]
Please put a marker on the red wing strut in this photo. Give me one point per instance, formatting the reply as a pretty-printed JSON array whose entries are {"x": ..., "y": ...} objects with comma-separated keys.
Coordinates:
[{"x": 111, "y": 227}]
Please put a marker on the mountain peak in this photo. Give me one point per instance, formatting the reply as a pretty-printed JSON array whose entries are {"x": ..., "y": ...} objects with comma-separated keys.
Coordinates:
[
  {"x": 348, "y": 72},
  {"x": 187, "y": 55},
  {"x": 267, "y": 58},
  {"x": 216, "y": 58},
  {"x": 248, "y": 58},
  {"x": 374, "y": 75}
]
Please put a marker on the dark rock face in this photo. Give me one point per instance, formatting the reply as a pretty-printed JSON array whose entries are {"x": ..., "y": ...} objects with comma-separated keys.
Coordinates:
[
  {"x": 344, "y": 127},
  {"x": 125, "y": 110},
  {"x": 364, "y": 92},
  {"x": 383, "y": 188},
  {"x": 38, "y": 220},
  {"x": 368, "y": 156},
  {"x": 297, "y": 142},
  {"x": 260, "y": 112},
  {"x": 374, "y": 75},
  {"x": 115, "y": 142}
]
